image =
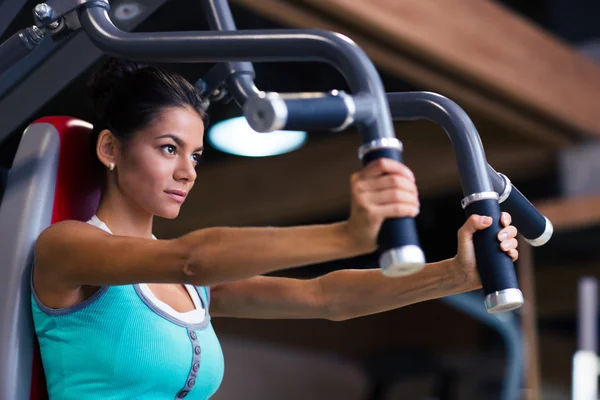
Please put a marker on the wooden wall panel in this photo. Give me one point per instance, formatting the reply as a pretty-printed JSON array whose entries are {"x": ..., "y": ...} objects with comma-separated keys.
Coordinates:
[
  {"x": 488, "y": 45},
  {"x": 480, "y": 86}
]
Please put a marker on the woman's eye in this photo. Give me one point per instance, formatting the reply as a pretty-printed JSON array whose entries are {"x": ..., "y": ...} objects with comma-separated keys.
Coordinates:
[
  {"x": 169, "y": 148},
  {"x": 196, "y": 158}
]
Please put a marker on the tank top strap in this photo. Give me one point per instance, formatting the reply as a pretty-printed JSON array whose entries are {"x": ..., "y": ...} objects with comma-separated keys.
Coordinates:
[{"x": 203, "y": 291}]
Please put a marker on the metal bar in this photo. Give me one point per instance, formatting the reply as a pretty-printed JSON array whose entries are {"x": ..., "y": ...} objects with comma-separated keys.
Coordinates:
[
  {"x": 18, "y": 72},
  {"x": 240, "y": 75},
  {"x": 19, "y": 46},
  {"x": 45, "y": 82},
  {"x": 475, "y": 172},
  {"x": 219, "y": 15},
  {"x": 264, "y": 46},
  {"x": 45, "y": 73},
  {"x": 463, "y": 135}
]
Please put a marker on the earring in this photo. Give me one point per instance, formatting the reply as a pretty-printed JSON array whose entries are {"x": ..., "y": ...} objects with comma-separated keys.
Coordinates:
[{"x": 111, "y": 166}]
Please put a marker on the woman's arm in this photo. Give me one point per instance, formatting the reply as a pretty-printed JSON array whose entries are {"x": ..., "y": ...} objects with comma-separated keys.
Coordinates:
[
  {"x": 335, "y": 296},
  {"x": 72, "y": 254},
  {"x": 348, "y": 294},
  {"x": 355, "y": 293},
  {"x": 267, "y": 297}
]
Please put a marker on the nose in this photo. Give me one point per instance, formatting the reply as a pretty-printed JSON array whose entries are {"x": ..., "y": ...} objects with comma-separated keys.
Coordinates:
[{"x": 185, "y": 170}]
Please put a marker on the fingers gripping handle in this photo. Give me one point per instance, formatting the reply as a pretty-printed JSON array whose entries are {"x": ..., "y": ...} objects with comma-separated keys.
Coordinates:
[
  {"x": 400, "y": 253},
  {"x": 495, "y": 267}
]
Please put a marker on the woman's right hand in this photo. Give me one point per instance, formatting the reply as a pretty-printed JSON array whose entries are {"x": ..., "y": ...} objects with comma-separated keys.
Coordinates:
[{"x": 383, "y": 189}]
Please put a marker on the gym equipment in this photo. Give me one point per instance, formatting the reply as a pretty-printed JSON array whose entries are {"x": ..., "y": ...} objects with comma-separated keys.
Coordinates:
[
  {"x": 483, "y": 187},
  {"x": 368, "y": 108},
  {"x": 37, "y": 184}
]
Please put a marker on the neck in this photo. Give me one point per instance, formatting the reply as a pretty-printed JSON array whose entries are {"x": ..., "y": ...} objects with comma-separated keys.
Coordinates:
[{"x": 122, "y": 217}]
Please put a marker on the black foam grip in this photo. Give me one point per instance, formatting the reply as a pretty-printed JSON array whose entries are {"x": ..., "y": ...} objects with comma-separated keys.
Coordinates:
[
  {"x": 525, "y": 217},
  {"x": 496, "y": 268},
  {"x": 326, "y": 112},
  {"x": 394, "y": 232}
]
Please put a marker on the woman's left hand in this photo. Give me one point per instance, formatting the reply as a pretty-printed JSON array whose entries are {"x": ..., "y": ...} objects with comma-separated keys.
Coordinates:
[{"x": 465, "y": 256}]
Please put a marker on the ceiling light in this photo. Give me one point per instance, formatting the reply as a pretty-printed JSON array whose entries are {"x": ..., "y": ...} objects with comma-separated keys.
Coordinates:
[{"x": 235, "y": 136}]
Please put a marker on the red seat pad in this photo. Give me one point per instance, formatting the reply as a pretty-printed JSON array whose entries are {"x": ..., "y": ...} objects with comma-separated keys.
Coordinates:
[{"x": 76, "y": 196}]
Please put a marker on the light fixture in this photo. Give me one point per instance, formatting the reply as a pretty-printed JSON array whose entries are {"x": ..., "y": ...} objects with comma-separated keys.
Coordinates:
[
  {"x": 127, "y": 10},
  {"x": 235, "y": 136}
]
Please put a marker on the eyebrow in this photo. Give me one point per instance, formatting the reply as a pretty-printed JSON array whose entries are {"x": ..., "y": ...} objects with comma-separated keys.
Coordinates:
[{"x": 178, "y": 140}]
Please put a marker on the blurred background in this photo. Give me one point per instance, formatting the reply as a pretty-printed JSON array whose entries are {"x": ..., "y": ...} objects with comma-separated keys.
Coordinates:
[{"x": 526, "y": 72}]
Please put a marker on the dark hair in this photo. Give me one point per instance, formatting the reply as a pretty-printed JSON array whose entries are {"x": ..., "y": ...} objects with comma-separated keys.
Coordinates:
[{"x": 127, "y": 97}]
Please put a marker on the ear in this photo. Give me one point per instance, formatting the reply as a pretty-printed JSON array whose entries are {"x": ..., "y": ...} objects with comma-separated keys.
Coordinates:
[{"x": 107, "y": 148}]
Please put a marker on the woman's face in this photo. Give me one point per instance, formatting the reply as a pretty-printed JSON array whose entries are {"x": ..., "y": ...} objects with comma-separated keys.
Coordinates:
[{"x": 158, "y": 167}]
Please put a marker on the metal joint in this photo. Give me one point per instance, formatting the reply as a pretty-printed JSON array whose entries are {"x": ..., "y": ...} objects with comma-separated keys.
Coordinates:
[
  {"x": 503, "y": 300},
  {"x": 32, "y": 36},
  {"x": 43, "y": 11},
  {"x": 472, "y": 198},
  {"x": 402, "y": 261},
  {"x": 507, "y": 188},
  {"x": 350, "y": 108},
  {"x": 270, "y": 109},
  {"x": 381, "y": 143},
  {"x": 47, "y": 13},
  {"x": 544, "y": 237}
]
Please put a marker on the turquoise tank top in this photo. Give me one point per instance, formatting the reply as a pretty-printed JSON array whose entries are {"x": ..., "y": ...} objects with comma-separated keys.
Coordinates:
[{"x": 121, "y": 344}]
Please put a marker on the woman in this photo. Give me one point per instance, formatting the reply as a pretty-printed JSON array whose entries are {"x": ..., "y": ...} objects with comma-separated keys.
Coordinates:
[{"x": 121, "y": 315}]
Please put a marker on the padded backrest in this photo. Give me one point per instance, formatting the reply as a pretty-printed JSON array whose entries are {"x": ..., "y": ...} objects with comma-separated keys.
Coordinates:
[{"x": 51, "y": 180}]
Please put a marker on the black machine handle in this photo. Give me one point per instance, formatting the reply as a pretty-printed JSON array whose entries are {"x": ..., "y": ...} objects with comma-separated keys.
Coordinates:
[
  {"x": 268, "y": 112},
  {"x": 396, "y": 233},
  {"x": 496, "y": 268},
  {"x": 335, "y": 111},
  {"x": 472, "y": 164},
  {"x": 400, "y": 251},
  {"x": 535, "y": 228},
  {"x": 483, "y": 187}
]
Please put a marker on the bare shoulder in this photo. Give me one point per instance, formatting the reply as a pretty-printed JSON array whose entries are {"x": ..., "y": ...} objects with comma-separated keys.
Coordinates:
[
  {"x": 59, "y": 237},
  {"x": 58, "y": 240},
  {"x": 72, "y": 254},
  {"x": 68, "y": 227},
  {"x": 55, "y": 246}
]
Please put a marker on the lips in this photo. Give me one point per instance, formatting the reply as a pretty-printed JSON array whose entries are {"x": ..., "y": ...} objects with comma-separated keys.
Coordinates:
[{"x": 177, "y": 195}]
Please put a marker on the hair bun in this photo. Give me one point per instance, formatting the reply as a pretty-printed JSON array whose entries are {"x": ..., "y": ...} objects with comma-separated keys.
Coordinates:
[{"x": 102, "y": 84}]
